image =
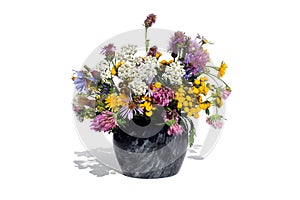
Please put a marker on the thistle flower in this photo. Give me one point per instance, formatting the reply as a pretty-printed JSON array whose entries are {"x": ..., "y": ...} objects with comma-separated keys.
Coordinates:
[
  {"x": 150, "y": 20},
  {"x": 104, "y": 122},
  {"x": 109, "y": 51},
  {"x": 196, "y": 58},
  {"x": 177, "y": 41},
  {"x": 215, "y": 121},
  {"x": 163, "y": 96}
]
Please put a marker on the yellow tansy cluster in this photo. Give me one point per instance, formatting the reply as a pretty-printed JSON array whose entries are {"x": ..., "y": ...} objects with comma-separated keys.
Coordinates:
[
  {"x": 222, "y": 70},
  {"x": 115, "y": 68},
  {"x": 187, "y": 101}
]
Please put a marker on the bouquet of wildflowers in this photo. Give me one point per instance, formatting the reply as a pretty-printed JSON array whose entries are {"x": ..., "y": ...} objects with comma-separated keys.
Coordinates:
[{"x": 125, "y": 87}]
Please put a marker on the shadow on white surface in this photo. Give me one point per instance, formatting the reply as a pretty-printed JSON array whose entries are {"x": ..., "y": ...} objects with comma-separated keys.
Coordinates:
[{"x": 86, "y": 160}]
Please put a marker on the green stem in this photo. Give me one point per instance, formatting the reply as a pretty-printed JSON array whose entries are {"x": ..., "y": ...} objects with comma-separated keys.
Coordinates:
[{"x": 146, "y": 40}]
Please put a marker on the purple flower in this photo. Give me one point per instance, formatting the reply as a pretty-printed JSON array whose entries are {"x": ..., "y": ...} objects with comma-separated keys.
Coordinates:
[
  {"x": 177, "y": 41},
  {"x": 163, "y": 96},
  {"x": 215, "y": 121},
  {"x": 80, "y": 81},
  {"x": 150, "y": 20},
  {"x": 175, "y": 129},
  {"x": 169, "y": 115},
  {"x": 109, "y": 51},
  {"x": 225, "y": 93},
  {"x": 152, "y": 51},
  {"x": 130, "y": 109},
  {"x": 196, "y": 58},
  {"x": 104, "y": 122}
]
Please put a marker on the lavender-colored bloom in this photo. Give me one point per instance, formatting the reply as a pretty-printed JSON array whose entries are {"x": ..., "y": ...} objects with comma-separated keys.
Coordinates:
[
  {"x": 175, "y": 129},
  {"x": 225, "y": 93},
  {"x": 104, "y": 122},
  {"x": 109, "y": 51},
  {"x": 150, "y": 20},
  {"x": 163, "y": 96},
  {"x": 152, "y": 51},
  {"x": 196, "y": 58},
  {"x": 80, "y": 81},
  {"x": 215, "y": 121},
  {"x": 177, "y": 41}
]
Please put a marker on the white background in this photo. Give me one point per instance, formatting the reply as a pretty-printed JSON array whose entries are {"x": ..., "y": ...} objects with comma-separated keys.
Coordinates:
[{"x": 258, "y": 154}]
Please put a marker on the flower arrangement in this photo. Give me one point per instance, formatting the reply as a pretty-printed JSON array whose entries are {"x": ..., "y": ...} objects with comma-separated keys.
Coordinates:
[{"x": 125, "y": 87}]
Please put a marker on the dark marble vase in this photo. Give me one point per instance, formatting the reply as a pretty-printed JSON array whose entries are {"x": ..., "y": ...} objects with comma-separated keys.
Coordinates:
[{"x": 149, "y": 152}]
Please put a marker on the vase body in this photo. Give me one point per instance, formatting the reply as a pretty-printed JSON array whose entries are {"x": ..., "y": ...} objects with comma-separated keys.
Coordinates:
[{"x": 160, "y": 155}]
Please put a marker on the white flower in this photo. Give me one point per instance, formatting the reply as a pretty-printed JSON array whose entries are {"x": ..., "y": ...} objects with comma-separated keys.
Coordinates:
[
  {"x": 174, "y": 73},
  {"x": 105, "y": 71},
  {"x": 126, "y": 53},
  {"x": 138, "y": 87},
  {"x": 139, "y": 71}
]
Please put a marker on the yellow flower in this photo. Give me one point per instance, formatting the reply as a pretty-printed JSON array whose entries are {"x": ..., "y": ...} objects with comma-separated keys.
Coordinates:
[
  {"x": 222, "y": 69},
  {"x": 219, "y": 102},
  {"x": 163, "y": 62},
  {"x": 203, "y": 90},
  {"x": 196, "y": 115},
  {"x": 118, "y": 64},
  {"x": 186, "y": 109},
  {"x": 185, "y": 103},
  {"x": 149, "y": 113},
  {"x": 195, "y": 90},
  {"x": 113, "y": 71},
  {"x": 204, "y": 105},
  {"x": 112, "y": 102},
  {"x": 200, "y": 99},
  {"x": 157, "y": 85},
  {"x": 197, "y": 82},
  {"x": 158, "y": 54},
  {"x": 179, "y": 105},
  {"x": 188, "y": 98}
]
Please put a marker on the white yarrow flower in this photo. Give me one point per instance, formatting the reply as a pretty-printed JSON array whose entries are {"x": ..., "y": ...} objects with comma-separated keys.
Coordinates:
[{"x": 174, "y": 73}]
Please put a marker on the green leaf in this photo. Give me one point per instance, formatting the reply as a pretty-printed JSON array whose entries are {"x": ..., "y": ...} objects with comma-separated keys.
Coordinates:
[
  {"x": 207, "y": 111},
  {"x": 192, "y": 134}
]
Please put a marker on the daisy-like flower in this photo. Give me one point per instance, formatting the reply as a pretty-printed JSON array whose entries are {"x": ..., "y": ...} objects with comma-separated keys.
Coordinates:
[
  {"x": 104, "y": 122},
  {"x": 222, "y": 69},
  {"x": 130, "y": 108},
  {"x": 163, "y": 96},
  {"x": 112, "y": 102},
  {"x": 150, "y": 20},
  {"x": 215, "y": 121}
]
